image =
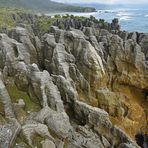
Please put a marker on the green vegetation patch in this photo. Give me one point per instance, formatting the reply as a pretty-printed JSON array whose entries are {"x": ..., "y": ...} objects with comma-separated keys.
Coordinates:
[
  {"x": 44, "y": 5},
  {"x": 43, "y": 23},
  {"x": 16, "y": 94},
  {"x": 6, "y": 19},
  {"x": 7, "y": 16}
]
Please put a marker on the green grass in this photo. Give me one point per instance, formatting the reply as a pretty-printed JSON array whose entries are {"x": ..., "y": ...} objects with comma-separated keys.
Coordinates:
[
  {"x": 6, "y": 19},
  {"x": 16, "y": 94},
  {"x": 43, "y": 23},
  {"x": 2, "y": 119},
  {"x": 6, "y": 16}
]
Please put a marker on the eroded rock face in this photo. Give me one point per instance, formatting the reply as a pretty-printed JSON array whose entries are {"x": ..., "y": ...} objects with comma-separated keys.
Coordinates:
[
  {"x": 81, "y": 83},
  {"x": 47, "y": 144},
  {"x": 10, "y": 129}
]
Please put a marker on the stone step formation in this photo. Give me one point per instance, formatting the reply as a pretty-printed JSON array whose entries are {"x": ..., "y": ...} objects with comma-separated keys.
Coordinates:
[{"x": 82, "y": 85}]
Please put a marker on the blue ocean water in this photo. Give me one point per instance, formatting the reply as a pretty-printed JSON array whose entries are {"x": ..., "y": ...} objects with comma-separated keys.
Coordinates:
[{"x": 131, "y": 19}]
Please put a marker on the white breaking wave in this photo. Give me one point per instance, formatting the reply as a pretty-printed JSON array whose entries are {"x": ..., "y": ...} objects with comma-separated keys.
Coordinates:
[
  {"x": 125, "y": 18},
  {"x": 125, "y": 14},
  {"x": 107, "y": 11},
  {"x": 146, "y": 15},
  {"x": 82, "y": 14},
  {"x": 70, "y": 13}
]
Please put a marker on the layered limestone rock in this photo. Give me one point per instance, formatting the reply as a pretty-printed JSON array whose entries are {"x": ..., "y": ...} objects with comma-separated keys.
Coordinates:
[
  {"x": 10, "y": 128},
  {"x": 70, "y": 88}
]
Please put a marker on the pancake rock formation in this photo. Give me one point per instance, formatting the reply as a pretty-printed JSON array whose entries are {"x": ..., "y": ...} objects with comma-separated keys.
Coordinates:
[{"x": 73, "y": 87}]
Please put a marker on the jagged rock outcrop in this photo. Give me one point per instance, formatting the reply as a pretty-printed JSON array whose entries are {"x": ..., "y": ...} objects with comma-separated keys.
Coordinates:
[
  {"x": 83, "y": 83},
  {"x": 10, "y": 129},
  {"x": 84, "y": 23}
]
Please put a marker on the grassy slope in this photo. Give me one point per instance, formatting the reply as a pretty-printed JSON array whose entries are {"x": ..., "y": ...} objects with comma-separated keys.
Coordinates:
[
  {"x": 6, "y": 19},
  {"x": 45, "y": 5}
]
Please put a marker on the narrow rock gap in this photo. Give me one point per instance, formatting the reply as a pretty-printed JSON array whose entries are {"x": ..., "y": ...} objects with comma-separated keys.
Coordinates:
[
  {"x": 69, "y": 108},
  {"x": 15, "y": 49}
]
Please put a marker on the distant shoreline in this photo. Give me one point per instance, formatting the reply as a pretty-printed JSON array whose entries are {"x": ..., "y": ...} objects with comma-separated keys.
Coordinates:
[{"x": 65, "y": 13}]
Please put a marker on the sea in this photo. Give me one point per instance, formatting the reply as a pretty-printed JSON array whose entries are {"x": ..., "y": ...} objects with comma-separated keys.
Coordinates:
[{"x": 131, "y": 18}]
